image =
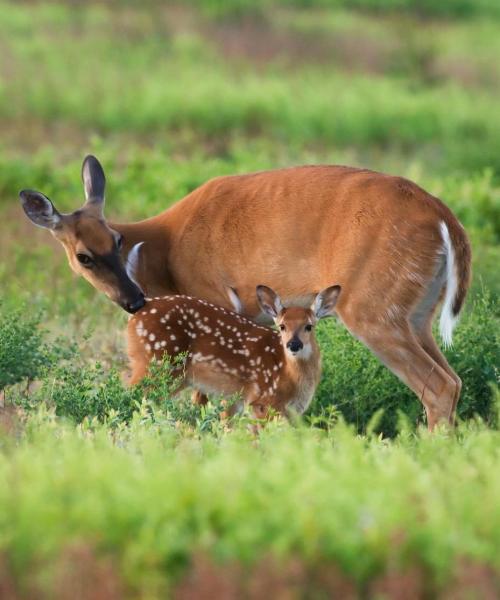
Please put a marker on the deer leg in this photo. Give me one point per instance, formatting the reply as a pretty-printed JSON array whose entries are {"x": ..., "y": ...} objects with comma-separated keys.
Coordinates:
[
  {"x": 421, "y": 324},
  {"x": 257, "y": 402},
  {"x": 199, "y": 398},
  {"x": 423, "y": 332},
  {"x": 139, "y": 370},
  {"x": 399, "y": 349}
]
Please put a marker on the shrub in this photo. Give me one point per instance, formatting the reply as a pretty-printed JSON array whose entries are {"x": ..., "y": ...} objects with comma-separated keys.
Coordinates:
[
  {"x": 23, "y": 350},
  {"x": 80, "y": 391}
]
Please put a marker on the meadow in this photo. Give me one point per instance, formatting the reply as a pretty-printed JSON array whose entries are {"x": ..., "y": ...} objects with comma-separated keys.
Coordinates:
[{"x": 146, "y": 495}]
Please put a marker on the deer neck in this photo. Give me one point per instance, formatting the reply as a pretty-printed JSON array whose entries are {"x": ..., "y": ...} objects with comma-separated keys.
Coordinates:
[{"x": 154, "y": 275}]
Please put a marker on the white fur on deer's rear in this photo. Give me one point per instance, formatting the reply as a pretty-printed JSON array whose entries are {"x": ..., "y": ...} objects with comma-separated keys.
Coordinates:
[
  {"x": 132, "y": 264},
  {"x": 447, "y": 320}
]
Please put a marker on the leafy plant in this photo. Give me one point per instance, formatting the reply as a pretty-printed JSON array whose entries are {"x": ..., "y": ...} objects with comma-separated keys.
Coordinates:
[{"x": 24, "y": 351}]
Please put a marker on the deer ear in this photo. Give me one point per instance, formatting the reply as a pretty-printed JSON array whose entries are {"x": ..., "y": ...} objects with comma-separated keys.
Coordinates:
[
  {"x": 234, "y": 299},
  {"x": 325, "y": 301},
  {"x": 94, "y": 181},
  {"x": 40, "y": 210},
  {"x": 269, "y": 301},
  {"x": 132, "y": 264}
]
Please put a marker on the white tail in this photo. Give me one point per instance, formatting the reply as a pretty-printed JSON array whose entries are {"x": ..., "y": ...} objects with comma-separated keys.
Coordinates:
[
  {"x": 447, "y": 320},
  {"x": 229, "y": 354}
]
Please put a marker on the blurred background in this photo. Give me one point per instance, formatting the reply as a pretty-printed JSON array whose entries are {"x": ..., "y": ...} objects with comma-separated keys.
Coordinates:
[{"x": 170, "y": 94}]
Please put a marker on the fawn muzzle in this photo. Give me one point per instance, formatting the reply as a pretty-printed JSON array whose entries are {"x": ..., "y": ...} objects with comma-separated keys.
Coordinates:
[{"x": 294, "y": 345}]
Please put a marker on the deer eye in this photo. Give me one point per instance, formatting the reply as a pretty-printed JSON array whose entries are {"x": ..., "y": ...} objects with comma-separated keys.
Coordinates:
[
  {"x": 119, "y": 242},
  {"x": 282, "y": 327},
  {"x": 308, "y": 327},
  {"x": 85, "y": 260}
]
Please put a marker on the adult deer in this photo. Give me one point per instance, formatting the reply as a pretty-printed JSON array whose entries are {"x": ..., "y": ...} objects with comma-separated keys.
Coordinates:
[{"x": 395, "y": 250}]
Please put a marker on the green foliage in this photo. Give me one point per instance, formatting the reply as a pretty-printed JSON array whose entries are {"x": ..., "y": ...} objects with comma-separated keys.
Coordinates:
[
  {"x": 358, "y": 385},
  {"x": 80, "y": 391},
  {"x": 24, "y": 353},
  {"x": 415, "y": 103},
  {"x": 150, "y": 498},
  {"x": 422, "y": 8},
  {"x": 476, "y": 356}
]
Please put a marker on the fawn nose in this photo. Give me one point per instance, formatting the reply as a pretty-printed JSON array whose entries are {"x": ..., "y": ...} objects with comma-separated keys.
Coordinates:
[
  {"x": 136, "y": 305},
  {"x": 294, "y": 345}
]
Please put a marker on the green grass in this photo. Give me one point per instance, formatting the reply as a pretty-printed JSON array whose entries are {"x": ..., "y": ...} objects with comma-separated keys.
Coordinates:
[
  {"x": 151, "y": 497},
  {"x": 157, "y": 77}
]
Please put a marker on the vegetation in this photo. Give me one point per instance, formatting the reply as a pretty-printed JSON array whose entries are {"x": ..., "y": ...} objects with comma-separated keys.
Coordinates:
[
  {"x": 155, "y": 508},
  {"x": 144, "y": 494}
]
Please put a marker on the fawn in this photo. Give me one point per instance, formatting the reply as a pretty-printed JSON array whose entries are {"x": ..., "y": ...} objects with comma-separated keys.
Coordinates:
[{"x": 227, "y": 353}]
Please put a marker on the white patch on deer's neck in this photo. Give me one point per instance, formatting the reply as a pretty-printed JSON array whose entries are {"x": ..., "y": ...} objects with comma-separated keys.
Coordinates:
[{"x": 132, "y": 264}]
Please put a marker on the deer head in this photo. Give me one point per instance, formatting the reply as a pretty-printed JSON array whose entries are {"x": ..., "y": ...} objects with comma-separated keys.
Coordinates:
[
  {"x": 296, "y": 324},
  {"x": 93, "y": 248}
]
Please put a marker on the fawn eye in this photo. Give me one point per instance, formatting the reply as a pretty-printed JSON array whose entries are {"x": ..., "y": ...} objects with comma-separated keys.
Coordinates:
[
  {"x": 282, "y": 327},
  {"x": 308, "y": 327},
  {"x": 85, "y": 260}
]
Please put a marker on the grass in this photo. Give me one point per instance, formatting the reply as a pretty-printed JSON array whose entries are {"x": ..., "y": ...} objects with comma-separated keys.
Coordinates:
[
  {"x": 141, "y": 495},
  {"x": 150, "y": 497},
  {"x": 407, "y": 107}
]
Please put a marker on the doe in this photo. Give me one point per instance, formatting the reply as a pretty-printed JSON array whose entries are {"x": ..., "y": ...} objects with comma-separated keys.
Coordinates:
[{"x": 225, "y": 353}]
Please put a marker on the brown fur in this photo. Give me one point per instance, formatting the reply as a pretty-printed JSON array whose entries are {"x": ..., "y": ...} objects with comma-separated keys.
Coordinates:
[{"x": 227, "y": 353}]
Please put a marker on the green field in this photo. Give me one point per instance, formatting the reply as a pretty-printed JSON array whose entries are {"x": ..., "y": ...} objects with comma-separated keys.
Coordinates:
[{"x": 144, "y": 494}]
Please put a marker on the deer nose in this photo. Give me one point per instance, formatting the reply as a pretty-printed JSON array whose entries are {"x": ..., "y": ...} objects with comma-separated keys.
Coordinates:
[
  {"x": 294, "y": 345},
  {"x": 133, "y": 307}
]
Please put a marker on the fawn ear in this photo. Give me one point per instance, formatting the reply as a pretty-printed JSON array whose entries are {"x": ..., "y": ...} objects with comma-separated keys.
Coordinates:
[
  {"x": 325, "y": 301},
  {"x": 40, "y": 210},
  {"x": 94, "y": 182},
  {"x": 269, "y": 301}
]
